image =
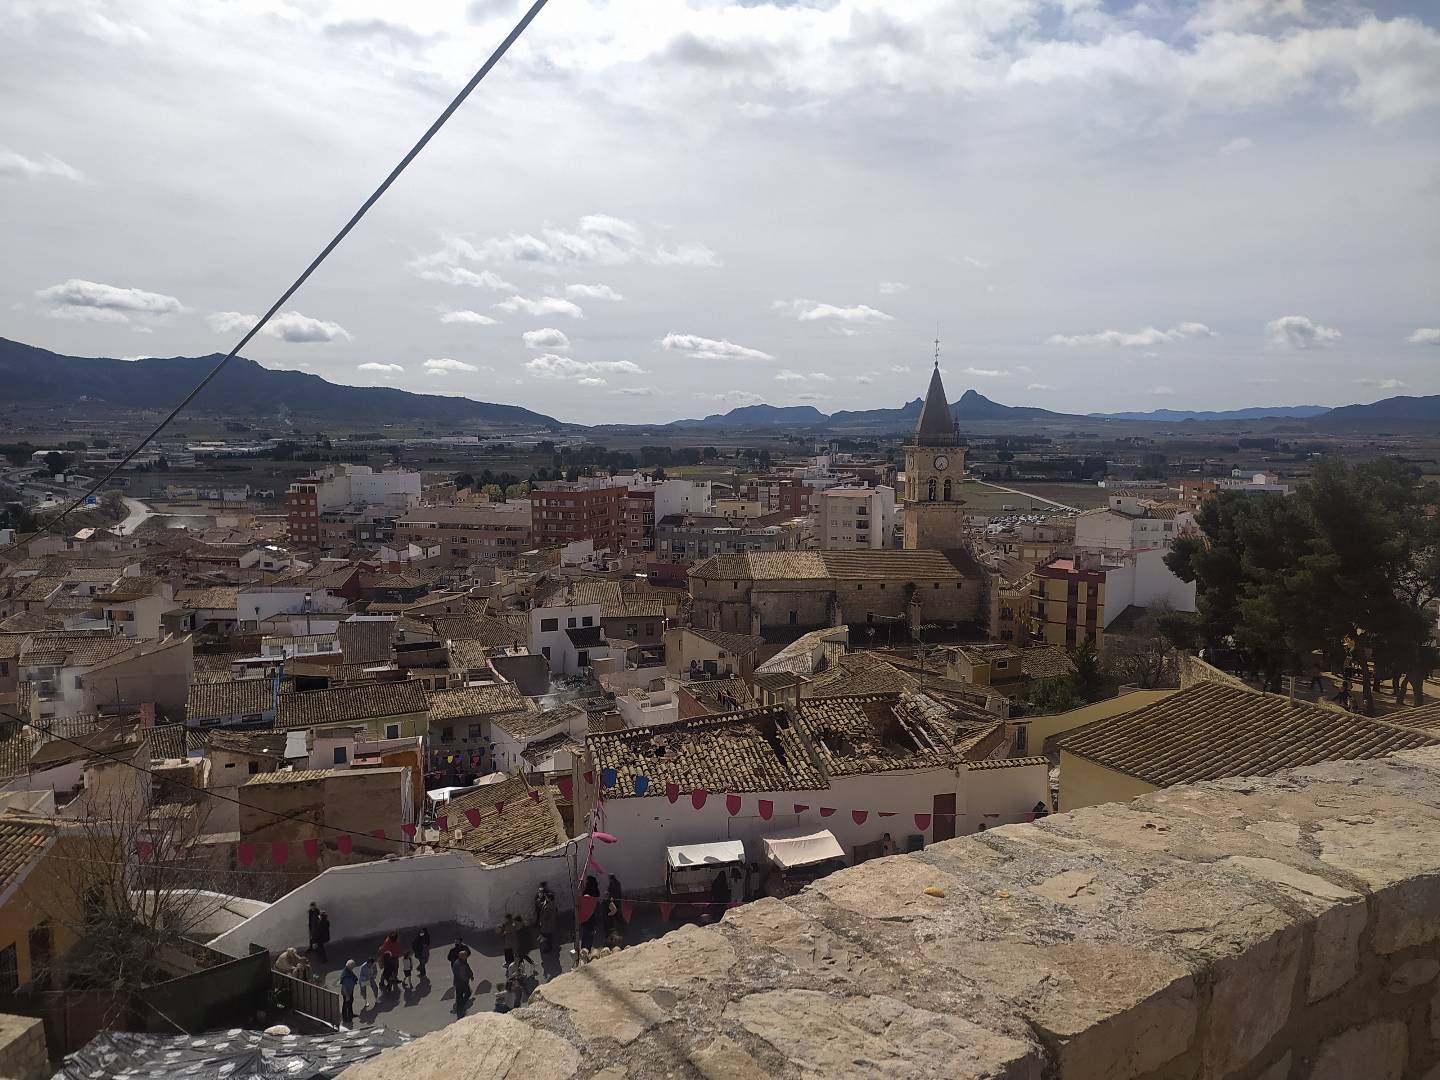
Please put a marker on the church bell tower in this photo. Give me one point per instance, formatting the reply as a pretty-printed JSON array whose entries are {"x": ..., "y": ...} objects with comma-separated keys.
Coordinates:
[{"x": 934, "y": 469}]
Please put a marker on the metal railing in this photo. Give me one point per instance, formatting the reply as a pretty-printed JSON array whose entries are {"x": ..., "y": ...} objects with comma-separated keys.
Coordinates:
[{"x": 307, "y": 998}]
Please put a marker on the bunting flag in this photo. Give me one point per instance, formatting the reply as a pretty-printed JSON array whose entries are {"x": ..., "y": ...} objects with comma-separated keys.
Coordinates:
[
  {"x": 586, "y": 907},
  {"x": 473, "y": 816},
  {"x": 144, "y": 849},
  {"x": 766, "y": 809},
  {"x": 595, "y": 865},
  {"x": 343, "y": 844},
  {"x": 409, "y": 830},
  {"x": 627, "y": 910},
  {"x": 642, "y": 785},
  {"x": 826, "y": 811},
  {"x": 608, "y": 777},
  {"x": 886, "y": 813},
  {"x": 442, "y": 823},
  {"x": 279, "y": 852},
  {"x": 697, "y": 798},
  {"x": 245, "y": 853},
  {"x": 859, "y": 816},
  {"x": 800, "y": 808},
  {"x": 732, "y": 803},
  {"x": 379, "y": 834},
  {"x": 533, "y": 795},
  {"x": 665, "y": 909},
  {"x": 312, "y": 848},
  {"x": 922, "y": 821},
  {"x": 590, "y": 777},
  {"x": 567, "y": 787},
  {"x": 672, "y": 792},
  {"x": 499, "y": 806}
]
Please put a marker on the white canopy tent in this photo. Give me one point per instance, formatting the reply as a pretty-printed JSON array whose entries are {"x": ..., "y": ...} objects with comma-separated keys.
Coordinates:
[
  {"x": 803, "y": 849},
  {"x": 721, "y": 853}
]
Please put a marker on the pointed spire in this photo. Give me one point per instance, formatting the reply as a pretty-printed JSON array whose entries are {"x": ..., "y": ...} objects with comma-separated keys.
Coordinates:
[{"x": 936, "y": 426}]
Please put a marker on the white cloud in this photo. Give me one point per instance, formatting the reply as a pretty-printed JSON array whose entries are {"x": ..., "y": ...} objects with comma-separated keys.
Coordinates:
[
  {"x": 393, "y": 368},
  {"x": 986, "y": 373},
  {"x": 864, "y": 380},
  {"x": 1385, "y": 384},
  {"x": 1148, "y": 335},
  {"x": 1039, "y": 386},
  {"x": 84, "y": 314},
  {"x": 970, "y": 260},
  {"x": 592, "y": 292},
  {"x": 899, "y": 369},
  {"x": 77, "y": 293},
  {"x": 813, "y": 311},
  {"x": 892, "y": 288},
  {"x": 1162, "y": 391},
  {"x": 13, "y": 163},
  {"x": 597, "y": 240},
  {"x": 551, "y": 366},
  {"x": 1237, "y": 146},
  {"x": 1213, "y": 15},
  {"x": 590, "y": 380},
  {"x": 636, "y": 391},
  {"x": 1299, "y": 332},
  {"x": 703, "y": 348},
  {"x": 444, "y": 363},
  {"x": 294, "y": 327},
  {"x": 229, "y": 322},
  {"x": 466, "y": 316},
  {"x": 545, "y": 305},
  {"x": 801, "y": 376},
  {"x": 694, "y": 255},
  {"x": 548, "y": 338},
  {"x": 809, "y": 397},
  {"x": 1426, "y": 335},
  {"x": 460, "y": 275}
]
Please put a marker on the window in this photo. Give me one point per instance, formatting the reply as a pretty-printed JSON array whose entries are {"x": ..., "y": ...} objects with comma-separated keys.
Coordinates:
[
  {"x": 794, "y": 617},
  {"x": 79, "y": 682},
  {"x": 649, "y": 629},
  {"x": 947, "y": 490},
  {"x": 582, "y": 658},
  {"x": 475, "y": 732},
  {"x": 447, "y": 734},
  {"x": 392, "y": 731},
  {"x": 252, "y": 767},
  {"x": 1001, "y": 665},
  {"x": 546, "y": 652},
  {"x": 570, "y": 624},
  {"x": 588, "y": 620},
  {"x": 930, "y": 490},
  {"x": 1022, "y": 738},
  {"x": 549, "y": 624},
  {"x": 342, "y": 755},
  {"x": 9, "y": 971}
]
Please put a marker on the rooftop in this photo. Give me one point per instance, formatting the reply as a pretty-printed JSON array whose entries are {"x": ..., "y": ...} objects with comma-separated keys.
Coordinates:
[
  {"x": 872, "y": 733},
  {"x": 734, "y": 644},
  {"x": 20, "y": 842},
  {"x": 237, "y": 697},
  {"x": 467, "y": 701},
  {"x": 511, "y": 822},
  {"x": 338, "y": 704}
]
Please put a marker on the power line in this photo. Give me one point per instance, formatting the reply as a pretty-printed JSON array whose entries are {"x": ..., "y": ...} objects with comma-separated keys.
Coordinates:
[{"x": 424, "y": 139}]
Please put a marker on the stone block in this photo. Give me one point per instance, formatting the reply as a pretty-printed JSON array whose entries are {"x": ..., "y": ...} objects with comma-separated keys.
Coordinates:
[
  {"x": 1279, "y": 1071},
  {"x": 1405, "y": 914},
  {"x": 1376, "y": 1052},
  {"x": 1251, "y": 1002},
  {"x": 483, "y": 1045},
  {"x": 1412, "y": 974},
  {"x": 1335, "y": 958}
]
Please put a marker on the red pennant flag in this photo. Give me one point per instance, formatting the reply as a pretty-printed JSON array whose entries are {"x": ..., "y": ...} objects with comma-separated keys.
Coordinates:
[
  {"x": 665, "y": 909},
  {"x": 379, "y": 834},
  {"x": 627, "y": 909},
  {"x": 245, "y": 852},
  {"x": 800, "y": 808},
  {"x": 473, "y": 816},
  {"x": 766, "y": 809},
  {"x": 500, "y": 807},
  {"x": 343, "y": 844},
  {"x": 590, "y": 777},
  {"x": 409, "y": 830},
  {"x": 697, "y": 798},
  {"x": 672, "y": 792},
  {"x": 826, "y": 811},
  {"x": 595, "y": 865},
  {"x": 279, "y": 852},
  {"x": 586, "y": 907},
  {"x": 887, "y": 813},
  {"x": 144, "y": 849},
  {"x": 442, "y": 823},
  {"x": 732, "y": 803},
  {"x": 534, "y": 796},
  {"x": 922, "y": 821},
  {"x": 567, "y": 786},
  {"x": 859, "y": 816},
  {"x": 312, "y": 849}
]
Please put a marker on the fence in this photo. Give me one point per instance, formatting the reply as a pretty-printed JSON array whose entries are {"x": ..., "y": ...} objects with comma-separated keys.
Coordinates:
[{"x": 306, "y": 998}]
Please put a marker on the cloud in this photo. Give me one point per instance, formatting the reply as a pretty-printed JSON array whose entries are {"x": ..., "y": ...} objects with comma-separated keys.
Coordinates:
[
  {"x": 1385, "y": 384},
  {"x": 595, "y": 240},
  {"x": 1038, "y": 386},
  {"x": 293, "y": 327},
  {"x": 735, "y": 397},
  {"x": 460, "y": 275},
  {"x": 548, "y": 338},
  {"x": 393, "y": 368},
  {"x": 970, "y": 260},
  {"x": 1299, "y": 332},
  {"x": 801, "y": 376},
  {"x": 592, "y": 292},
  {"x": 892, "y": 288},
  {"x": 813, "y": 311},
  {"x": 77, "y": 295},
  {"x": 366, "y": 31},
  {"x": 229, "y": 322},
  {"x": 444, "y": 363},
  {"x": 986, "y": 373},
  {"x": 545, "y": 305},
  {"x": 1426, "y": 335},
  {"x": 900, "y": 369},
  {"x": 466, "y": 316},
  {"x": 864, "y": 380},
  {"x": 636, "y": 391},
  {"x": 703, "y": 348},
  {"x": 1236, "y": 146},
  {"x": 551, "y": 366},
  {"x": 590, "y": 380},
  {"x": 1161, "y": 391},
  {"x": 1147, "y": 336},
  {"x": 691, "y": 254},
  {"x": 13, "y": 163},
  {"x": 809, "y": 397}
]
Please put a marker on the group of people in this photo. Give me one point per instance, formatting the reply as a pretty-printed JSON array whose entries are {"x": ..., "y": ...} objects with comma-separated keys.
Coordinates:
[
  {"x": 608, "y": 916},
  {"x": 389, "y": 961},
  {"x": 319, "y": 931}
]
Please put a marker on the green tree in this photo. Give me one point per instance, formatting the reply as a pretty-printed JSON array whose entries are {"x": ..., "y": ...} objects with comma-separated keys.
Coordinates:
[
  {"x": 112, "y": 503},
  {"x": 56, "y": 462}
]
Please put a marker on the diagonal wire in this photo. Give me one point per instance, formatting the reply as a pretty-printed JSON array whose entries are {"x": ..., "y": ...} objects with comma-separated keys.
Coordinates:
[{"x": 423, "y": 141}]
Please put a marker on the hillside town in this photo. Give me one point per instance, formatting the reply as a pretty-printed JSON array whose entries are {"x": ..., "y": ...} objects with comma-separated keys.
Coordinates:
[{"x": 269, "y": 766}]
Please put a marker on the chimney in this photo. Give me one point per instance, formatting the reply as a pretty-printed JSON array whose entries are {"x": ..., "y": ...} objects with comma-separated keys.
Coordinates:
[{"x": 147, "y": 714}]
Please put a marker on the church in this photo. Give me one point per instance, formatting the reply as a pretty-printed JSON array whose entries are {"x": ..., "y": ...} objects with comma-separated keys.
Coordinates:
[{"x": 934, "y": 472}]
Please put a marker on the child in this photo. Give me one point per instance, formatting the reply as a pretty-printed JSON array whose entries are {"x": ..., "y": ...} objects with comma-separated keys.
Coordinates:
[
  {"x": 408, "y": 964},
  {"x": 368, "y": 985}
]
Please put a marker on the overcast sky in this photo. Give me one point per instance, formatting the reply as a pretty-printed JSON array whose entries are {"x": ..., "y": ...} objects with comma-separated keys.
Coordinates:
[{"x": 658, "y": 208}]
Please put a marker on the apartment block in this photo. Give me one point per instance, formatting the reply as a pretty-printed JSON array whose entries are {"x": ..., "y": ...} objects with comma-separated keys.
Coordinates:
[
  {"x": 465, "y": 533},
  {"x": 856, "y": 517},
  {"x": 564, "y": 513}
]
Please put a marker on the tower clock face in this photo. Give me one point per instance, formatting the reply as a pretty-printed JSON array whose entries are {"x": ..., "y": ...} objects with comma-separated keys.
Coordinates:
[{"x": 942, "y": 462}]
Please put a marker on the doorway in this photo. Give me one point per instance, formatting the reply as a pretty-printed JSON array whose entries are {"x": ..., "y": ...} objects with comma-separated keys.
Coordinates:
[{"x": 943, "y": 820}]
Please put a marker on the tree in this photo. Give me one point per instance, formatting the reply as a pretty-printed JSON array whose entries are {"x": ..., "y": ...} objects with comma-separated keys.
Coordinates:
[
  {"x": 112, "y": 503},
  {"x": 17, "y": 453},
  {"x": 99, "y": 443},
  {"x": 57, "y": 462},
  {"x": 464, "y": 480},
  {"x": 711, "y": 453}
]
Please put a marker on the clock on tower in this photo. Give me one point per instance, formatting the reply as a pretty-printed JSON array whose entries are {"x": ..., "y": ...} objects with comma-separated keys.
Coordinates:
[{"x": 934, "y": 471}]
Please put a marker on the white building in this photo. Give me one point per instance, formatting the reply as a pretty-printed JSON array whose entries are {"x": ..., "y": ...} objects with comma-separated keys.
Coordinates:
[
  {"x": 260, "y": 602},
  {"x": 1130, "y": 523},
  {"x": 1143, "y": 580},
  {"x": 856, "y": 517},
  {"x": 569, "y": 635}
]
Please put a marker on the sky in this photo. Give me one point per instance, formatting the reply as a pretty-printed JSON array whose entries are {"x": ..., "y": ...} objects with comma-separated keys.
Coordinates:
[{"x": 666, "y": 208}]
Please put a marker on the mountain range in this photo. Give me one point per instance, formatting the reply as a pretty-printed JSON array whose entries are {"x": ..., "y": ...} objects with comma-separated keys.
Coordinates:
[{"x": 32, "y": 377}]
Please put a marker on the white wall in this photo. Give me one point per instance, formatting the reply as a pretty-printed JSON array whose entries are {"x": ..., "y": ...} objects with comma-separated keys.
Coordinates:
[
  {"x": 273, "y": 601},
  {"x": 1005, "y": 796},
  {"x": 563, "y": 656},
  {"x": 1144, "y": 581}
]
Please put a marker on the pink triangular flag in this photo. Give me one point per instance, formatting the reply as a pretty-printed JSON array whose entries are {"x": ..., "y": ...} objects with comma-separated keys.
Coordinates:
[
  {"x": 665, "y": 909},
  {"x": 859, "y": 816},
  {"x": 766, "y": 809},
  {"x": 442, "y": 823},
  {"x": 566, "y": 785},
  {"x": 279, "y": 852},
  {"x": 379, "y": 834},
  {"x": 586, "y": 907},
  {"x": 500, "y": 806},
  {"x": 672, "y": 792},
  {"x": 473, "y": 816},
  {"x": 800, "y": 808},
  {"x": 409, "y": 830},
  {"x": 922, "y": 821},
  {"x": 245, "y": 852},
  {"x": 343, "y": 844},
  {"x": 590, "y": 777},
  {"x": 697, "y": 797},
  {"x": 595, "y": 865},
  {"x": 312, "y": 848},
  {"x": 826, "y": 811},
  {"x": 732, "y": 803},
  {"x": 627, "y": 909}
]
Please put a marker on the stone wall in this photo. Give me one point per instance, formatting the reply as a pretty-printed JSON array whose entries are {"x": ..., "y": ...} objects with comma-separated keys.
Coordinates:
[
  {"x": 1277, "y": 928},
  {"x": 22, "y": 1048}
]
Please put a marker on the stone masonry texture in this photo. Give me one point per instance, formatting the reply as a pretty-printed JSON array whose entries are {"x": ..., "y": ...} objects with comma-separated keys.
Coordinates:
[{"x": 1257, "y": 928}]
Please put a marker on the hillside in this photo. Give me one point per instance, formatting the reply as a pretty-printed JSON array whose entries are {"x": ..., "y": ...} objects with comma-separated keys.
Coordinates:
[
  {"x": 1277, "y": 412},
  {"x": 1390, "y": 414},
  {"x": 972, "y": 406},
  {"x": 37, "y": 377}
]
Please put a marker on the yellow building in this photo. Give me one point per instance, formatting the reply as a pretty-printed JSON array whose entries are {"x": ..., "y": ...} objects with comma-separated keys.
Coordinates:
[
  {"x": 1067, "y": 604},
  {"x": 40, "y": 909}
]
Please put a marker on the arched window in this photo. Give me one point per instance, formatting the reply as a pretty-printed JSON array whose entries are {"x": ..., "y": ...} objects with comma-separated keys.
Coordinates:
[
  {"x": 947, "y": 490},
  {"x": 931, "y": 495}
]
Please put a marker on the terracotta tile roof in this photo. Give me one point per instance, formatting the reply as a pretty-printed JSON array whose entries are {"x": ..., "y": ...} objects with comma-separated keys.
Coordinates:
[
  {"x": 36, "y": 589},
  {"x": 756, "y": 750},
  {"x": 720, "y": 695},
  {"x": 255, "y": 743},
  {"x": 805, "y": 653},
  {"x": 871, "y": 733},
  {"x": 763, "y": 566},
  {"x": 129, "y": 588},
  {"x": 365, "y": 641},
  {"x": 1046, "y": 662},
  {"x": 467, "y": 701},
  {"x": 1210, "y": 730},
  {"x": 235, "y": 697},
  {"x": 343, "y": 704},
  {"x": 528, "y": 724},
  {"x": 860, "y": 673},
  {"x": 487, "y": 629},
  {"x": 21, "y": 842},
  {"x": 290, "y": 776},
  {"x": 29, "y": 621},
  {"x": 212, "y": 598},
  {"x": 586, "y": 637},
  {"x": 775, "y": 681},
  {"x": 1424, "y": 718},
  {"x": 521, "y": 826},
  {"x": 537, "y": 752},
  {"x": 919, "y": 565},
  {"x": 73, "y": 649},
  {"x": 15, "y": 753},
  {"x": 1007, "y": 763},
  {"x": 735, "y": 644}
]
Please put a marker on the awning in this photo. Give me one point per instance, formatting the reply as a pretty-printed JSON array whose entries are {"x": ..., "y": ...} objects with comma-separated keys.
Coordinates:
[
  {"x": 683, "y": 856},
  {"x": 789, "y": 852}
]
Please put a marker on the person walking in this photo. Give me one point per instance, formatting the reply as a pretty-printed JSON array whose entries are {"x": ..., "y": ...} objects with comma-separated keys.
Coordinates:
[
  {"x": 462, "y": 977},
  {"x": 312, "y": 916},
  {"x": 887, "y": 845},
  {"x": 587, "y": 928},
  {"x": 547, "y": 916},
  {"x": 367, "y": 983},
  {"x": 322, "y": 935},
  {"x": 348, "y": 981},
  {"x": 421, "y": 948},
  {"x": 408, "y": 964},
  {"x": 509, "y": 938}
]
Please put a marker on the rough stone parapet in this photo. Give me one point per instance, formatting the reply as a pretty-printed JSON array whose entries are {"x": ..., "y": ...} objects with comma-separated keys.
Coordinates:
[{"x": 1268, "y": 928}]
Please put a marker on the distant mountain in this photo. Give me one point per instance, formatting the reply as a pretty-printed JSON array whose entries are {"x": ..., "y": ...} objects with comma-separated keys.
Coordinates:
[
  {"x": 37, "y": 377},
  {"x": 1389, "y": 414},
  {"x": 972, "y": 406},
  {"x": 1291, "y": 412}
]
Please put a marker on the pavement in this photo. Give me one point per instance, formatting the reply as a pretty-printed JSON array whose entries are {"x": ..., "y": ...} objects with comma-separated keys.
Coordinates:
[
  {"x": 429, "y": 1004},
  {"x": 138, "y": 513}
]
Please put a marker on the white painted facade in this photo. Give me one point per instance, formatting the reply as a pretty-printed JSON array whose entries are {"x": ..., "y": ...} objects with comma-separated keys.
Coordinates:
[
  {"x": 257, "y": 604},
  {"x": 1123, "y": 527},
  {"x": 1144, "y": 580},
  {"x": 851, "y": 518},
  {"x": 548, "y": 637}
]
